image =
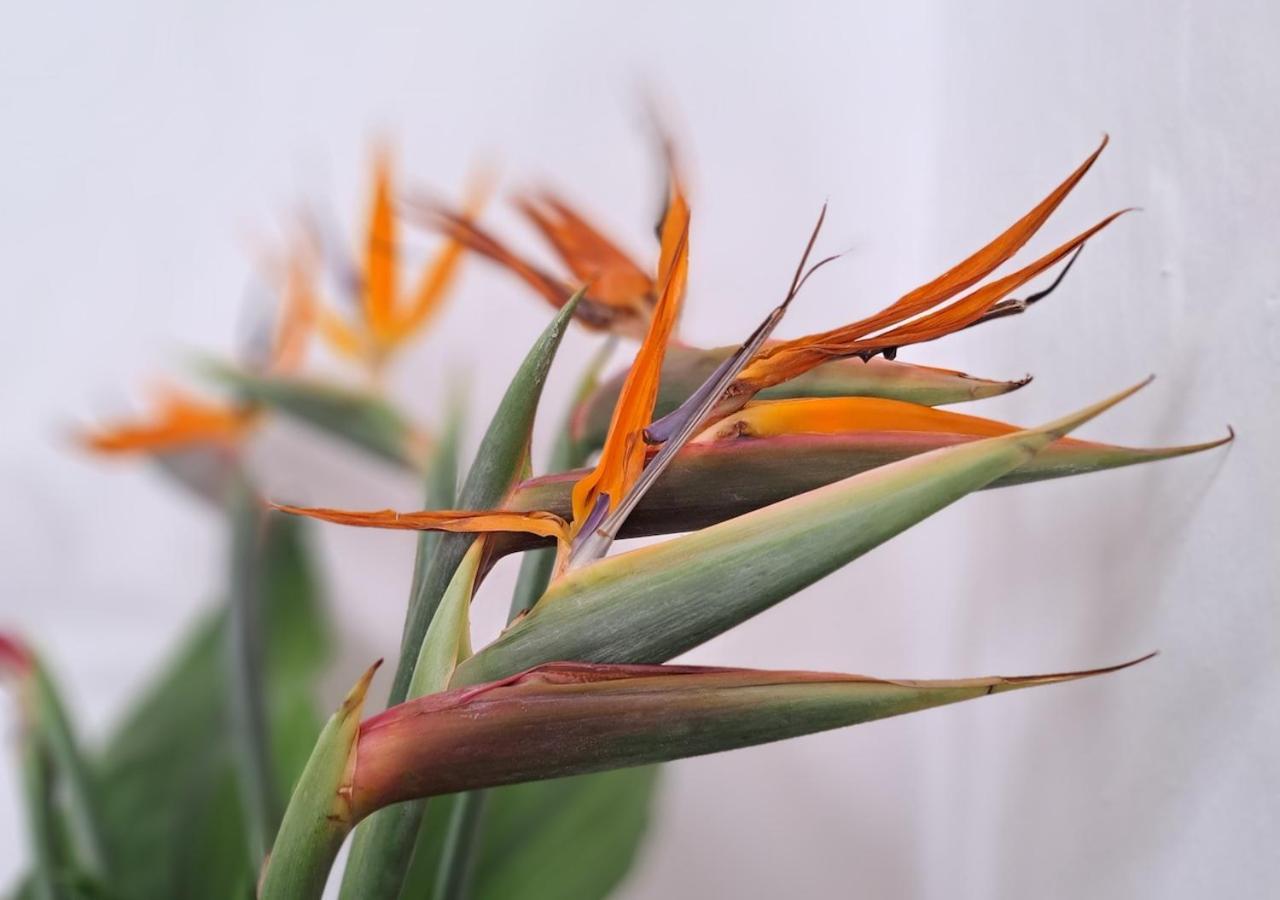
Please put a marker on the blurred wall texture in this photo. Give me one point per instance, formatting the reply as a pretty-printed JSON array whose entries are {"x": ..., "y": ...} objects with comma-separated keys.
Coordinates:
[{"x": 147, "y": 146}]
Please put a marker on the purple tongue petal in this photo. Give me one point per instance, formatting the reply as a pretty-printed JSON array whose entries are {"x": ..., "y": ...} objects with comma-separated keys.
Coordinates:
[{"x": 660, "y": 431}]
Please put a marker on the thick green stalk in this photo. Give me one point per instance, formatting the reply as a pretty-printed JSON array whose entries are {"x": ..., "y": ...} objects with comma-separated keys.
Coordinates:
[
  {"x": 365, "y": 870},
  {"x": 41, "y": 828},
  {"x": 466, "y": 821}
]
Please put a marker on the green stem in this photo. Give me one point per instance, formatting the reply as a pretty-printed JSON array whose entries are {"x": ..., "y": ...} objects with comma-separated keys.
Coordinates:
[
  {"x": 40, "y": 818},
  {"x": 461, "y": 843},
  {"x": 247, "y": 703}
]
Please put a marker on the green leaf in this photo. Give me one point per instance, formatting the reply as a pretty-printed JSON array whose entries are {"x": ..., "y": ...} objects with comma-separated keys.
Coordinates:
[
  {"x": 364, "y": 420},
  {"x": 685, "y": 368},
  {"x": 651, "y": 604},
  {"x": 563, "y": 839},
  {"x": 171, "y": 815},
  {"x": 566, "y": 453}
]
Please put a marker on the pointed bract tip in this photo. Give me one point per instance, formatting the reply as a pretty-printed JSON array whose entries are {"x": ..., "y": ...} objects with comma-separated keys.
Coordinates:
[
  {"x": 354, "y": 701},
  {"x": 1069, "y": 423},
  {"x": 15, "y": 657}
]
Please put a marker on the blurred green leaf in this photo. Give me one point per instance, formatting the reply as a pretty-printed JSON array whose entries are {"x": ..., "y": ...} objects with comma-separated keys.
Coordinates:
[
  {"x": 362, "y": 419},
  {"x": 170, "y": 809},
  {"x": 564, "y": 839}
]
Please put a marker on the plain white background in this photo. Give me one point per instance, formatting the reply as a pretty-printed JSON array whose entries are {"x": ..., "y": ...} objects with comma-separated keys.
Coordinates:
[{"x": 148, "y": 146}]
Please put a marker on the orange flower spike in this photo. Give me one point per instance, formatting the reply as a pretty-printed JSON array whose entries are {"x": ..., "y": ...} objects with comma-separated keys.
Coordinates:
[
  {"x": 181, "y": 420},
  {"x": 622, "y": 457},
  {"x": 381, "y": 257},
  {"x": 613, "y": 277},
  {"x": 541, "y": 524},
  {"x": 787, "y": 359}
]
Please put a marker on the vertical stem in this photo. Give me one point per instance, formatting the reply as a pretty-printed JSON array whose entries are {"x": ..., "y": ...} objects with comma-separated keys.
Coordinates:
[
  {"x": 247, "y": 703},
  {"x": 461, "y": 842}
]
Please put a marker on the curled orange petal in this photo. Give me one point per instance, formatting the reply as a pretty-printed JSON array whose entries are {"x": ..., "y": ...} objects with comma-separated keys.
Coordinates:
[
  {"x": 541, "y": 524},
  {"x": 787, "y": 359},
  {"x": 612, "y": 276}
]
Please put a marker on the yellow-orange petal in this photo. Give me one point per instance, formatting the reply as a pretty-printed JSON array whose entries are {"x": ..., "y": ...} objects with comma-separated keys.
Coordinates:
[
  {"x": 542, "y": 524},
  {"x": 846, "y": 415},
  {"x": 342, "y": 338}
]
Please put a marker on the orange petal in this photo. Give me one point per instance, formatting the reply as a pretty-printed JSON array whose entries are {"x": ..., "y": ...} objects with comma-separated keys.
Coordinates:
[
  {"x": 542, "y": 524},
  {"x": 791, "y": 358},
  {"x": 440, "y": 275},
  {"x": 462, "y": 229},
  {"x": 341, "y": 337},
  {"x": 956, "y": 279},
  {"x": 380, "y": 252},
  {"x": 613, "y": 277},
  {"x": 181, "y": 420},
  {"x": 846, "y": 415},
  {"x": 674, "y": 225},
  {"x": 622, "y": 457}
]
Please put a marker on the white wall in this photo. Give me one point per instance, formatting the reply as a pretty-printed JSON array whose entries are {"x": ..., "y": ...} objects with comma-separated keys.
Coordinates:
[{"x": 144, "y": 141}]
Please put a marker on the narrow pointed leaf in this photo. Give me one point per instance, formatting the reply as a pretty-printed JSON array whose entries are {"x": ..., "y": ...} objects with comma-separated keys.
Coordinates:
[
  {"x": 651, "y": 604},
  {"x": 320, "y": 814},
  {"x": 498, "y": 463},
  {"x": 63, "y": 797},
  {"x": 566, "y": 454},
  {"x": 569, "y": 718},
  {"x": 684, "y": 369}
]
